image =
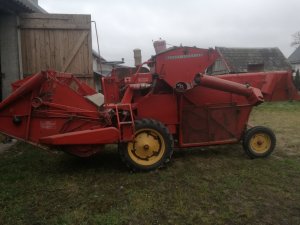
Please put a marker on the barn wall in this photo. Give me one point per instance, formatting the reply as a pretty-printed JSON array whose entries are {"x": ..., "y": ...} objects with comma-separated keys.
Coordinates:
[{"x": 57, "y": 42}]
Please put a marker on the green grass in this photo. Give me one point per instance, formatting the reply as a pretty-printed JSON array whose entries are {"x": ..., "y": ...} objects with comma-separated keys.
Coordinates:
[{"x": 215, "y": 185}]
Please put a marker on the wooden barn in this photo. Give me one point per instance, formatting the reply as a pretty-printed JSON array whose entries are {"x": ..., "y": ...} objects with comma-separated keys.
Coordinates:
[{"x": 32, "y": 40}]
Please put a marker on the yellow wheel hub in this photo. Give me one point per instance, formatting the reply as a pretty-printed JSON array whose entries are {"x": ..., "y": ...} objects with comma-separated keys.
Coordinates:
[
  {"x": 260, "y": 143},
  {"x": 147, "y": 148}
]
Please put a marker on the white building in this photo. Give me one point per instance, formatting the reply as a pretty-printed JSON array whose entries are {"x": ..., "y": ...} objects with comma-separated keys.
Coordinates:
[{"x": 294, "y": 59}]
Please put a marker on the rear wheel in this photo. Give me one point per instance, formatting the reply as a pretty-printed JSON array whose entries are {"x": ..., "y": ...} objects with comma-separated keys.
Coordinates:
[
  {"x": 151, "y": 148},
  {"x": 259, "y": 142}
]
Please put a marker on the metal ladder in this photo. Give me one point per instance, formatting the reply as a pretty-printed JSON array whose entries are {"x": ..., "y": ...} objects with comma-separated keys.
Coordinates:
[{"x": 124, "y": 126}]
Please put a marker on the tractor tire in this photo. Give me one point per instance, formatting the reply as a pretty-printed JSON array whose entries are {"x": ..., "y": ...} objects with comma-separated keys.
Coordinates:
[
  {"x": 151, "y": 148},
  {"x": 259, "y": 142}
]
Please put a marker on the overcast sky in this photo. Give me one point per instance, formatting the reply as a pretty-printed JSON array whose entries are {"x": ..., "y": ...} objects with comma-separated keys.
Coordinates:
[{"x": 127, "y": 24}]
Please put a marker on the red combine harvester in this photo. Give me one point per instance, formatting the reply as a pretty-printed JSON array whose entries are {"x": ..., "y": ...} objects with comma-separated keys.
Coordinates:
[{"x": 147, "y": 114}]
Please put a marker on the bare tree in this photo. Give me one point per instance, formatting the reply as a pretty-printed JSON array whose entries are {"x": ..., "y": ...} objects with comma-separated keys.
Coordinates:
[{"x": 296, "y": 39}]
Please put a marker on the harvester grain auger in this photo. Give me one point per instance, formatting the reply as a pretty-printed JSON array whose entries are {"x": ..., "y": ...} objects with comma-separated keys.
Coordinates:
[{"x": 171, "y": 106}]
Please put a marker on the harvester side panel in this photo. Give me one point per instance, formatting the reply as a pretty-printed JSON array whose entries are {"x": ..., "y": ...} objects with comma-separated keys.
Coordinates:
[
  {"x": 209, "y": 124},
  {"x": 110, "y": 86},
  {"x": 161, "y": 107},
  {"x": 207, "y": 120}
]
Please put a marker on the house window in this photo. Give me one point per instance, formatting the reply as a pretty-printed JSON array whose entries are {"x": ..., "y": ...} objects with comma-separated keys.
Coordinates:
[{"x": 257, "y": 67}]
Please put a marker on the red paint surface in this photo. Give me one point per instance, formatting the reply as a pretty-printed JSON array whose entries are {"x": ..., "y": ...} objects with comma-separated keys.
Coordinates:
[{"x": 50, "y": 108}]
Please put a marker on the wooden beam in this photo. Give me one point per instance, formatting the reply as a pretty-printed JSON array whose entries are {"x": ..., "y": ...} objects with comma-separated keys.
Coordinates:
[
  {"x": 53, "y": 26},
  {"x": 53, "y": 16},
  {"x": 20, "y": 51},
  {"x": 74, "y": 51}
]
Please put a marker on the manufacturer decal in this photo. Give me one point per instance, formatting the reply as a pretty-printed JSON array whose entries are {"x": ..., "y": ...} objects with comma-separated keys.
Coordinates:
[
  {"x": 172, "y": 57},
  {"x": 48, "y": 125}
]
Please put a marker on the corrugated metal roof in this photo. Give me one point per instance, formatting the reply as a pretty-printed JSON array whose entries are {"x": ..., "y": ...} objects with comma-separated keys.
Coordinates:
[
  {"x": 96, "y": 54},
  {"x": 238, "y": 59},
  {"x": 295, "y": 56},
  {"x": 20, "y": 6},
  {"x": 32, "y": 5}
]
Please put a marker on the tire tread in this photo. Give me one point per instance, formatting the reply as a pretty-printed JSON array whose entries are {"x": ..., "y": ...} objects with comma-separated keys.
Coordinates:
[
  {"x": 153, "y": 124},
  {"x": 249, "y": 133}
]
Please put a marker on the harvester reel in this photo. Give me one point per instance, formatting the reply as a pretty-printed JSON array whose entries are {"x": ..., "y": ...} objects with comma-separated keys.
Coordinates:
[
  {"x": 259, "y": 142},
  {"x": 151, "y": 148}
]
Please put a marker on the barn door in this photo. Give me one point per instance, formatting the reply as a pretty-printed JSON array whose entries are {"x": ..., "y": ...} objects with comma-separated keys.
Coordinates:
[{"x": 58, "y": 42}]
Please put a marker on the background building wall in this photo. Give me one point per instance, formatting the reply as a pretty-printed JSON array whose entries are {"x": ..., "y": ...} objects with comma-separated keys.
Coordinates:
[{"x": 9, "y": 52}]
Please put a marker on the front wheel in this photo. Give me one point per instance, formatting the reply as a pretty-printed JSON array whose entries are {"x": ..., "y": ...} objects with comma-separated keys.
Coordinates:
[
  {"x": 151, "y": 148},
  {"x": 259, "y": 142}
]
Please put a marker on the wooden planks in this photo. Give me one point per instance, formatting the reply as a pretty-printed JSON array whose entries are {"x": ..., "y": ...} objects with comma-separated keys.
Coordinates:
[
  {"x": 55, "y": 21},
  {"x": 58, "y": 42},
  {"x": 74, "y": 51}
]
